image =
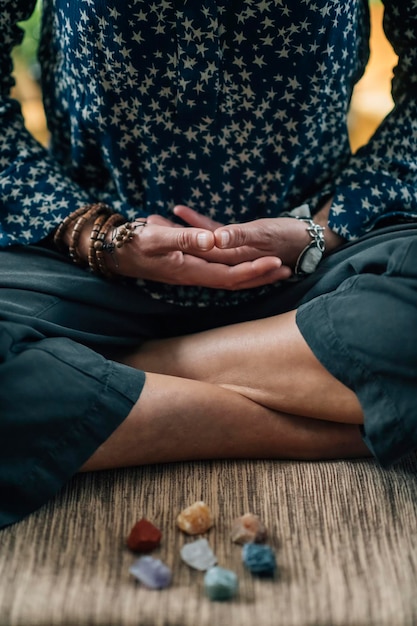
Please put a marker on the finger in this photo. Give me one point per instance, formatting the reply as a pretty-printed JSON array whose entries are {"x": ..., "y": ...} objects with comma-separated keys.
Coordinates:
[
  {"x": 232, "y": 256},
  {"x": 256, "y": 273},
  {"x": 194, "y": 271},
  {"x": 157, "y": 239},
  {"x": 193, "y": 218},
  {"x": 282, "y": 273},
  {"x": 236, "y": 235},
  {"x": 161, "y": 221}
]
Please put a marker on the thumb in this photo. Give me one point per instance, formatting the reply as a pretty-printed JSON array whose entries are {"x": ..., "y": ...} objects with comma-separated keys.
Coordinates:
[
  {"x": 232, "y": 236},
  {"x": 193, "y": 239}
]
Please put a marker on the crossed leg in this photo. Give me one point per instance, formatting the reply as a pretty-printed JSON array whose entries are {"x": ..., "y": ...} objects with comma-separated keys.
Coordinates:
[{"x": 253, "y": 390}]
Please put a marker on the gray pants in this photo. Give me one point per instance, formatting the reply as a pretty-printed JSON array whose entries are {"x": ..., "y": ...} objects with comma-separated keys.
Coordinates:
[{"x": 61, "y": 395}]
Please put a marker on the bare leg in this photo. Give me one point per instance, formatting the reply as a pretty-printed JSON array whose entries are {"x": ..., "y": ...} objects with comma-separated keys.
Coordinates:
[
  {"x": 177, "y": 419},
  {"x": 245, "y": 391},
  {"x": 267, "y": 361}
]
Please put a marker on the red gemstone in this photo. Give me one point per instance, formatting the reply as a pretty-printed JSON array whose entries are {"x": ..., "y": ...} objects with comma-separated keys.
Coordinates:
[{"x": 144, "y": 536}]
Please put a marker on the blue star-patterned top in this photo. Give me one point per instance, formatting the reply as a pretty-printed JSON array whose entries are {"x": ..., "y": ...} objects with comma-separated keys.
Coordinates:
[{"x": 236, "y": 108}]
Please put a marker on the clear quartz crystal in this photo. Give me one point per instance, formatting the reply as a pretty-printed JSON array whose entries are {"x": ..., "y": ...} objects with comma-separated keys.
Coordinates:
[{"x": 198, "y": 555}]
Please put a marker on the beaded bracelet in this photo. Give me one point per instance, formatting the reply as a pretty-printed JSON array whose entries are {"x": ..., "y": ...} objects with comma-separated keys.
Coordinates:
[
  {"x": 92, "y": 211},
  {"x": 95, "y": 231},
  {"x": 122, "y": 234},
  {"x": 99, "y": 247},
  {"x": 59, "y": 233},
  {"x": 126, "y": 232},
  {"x": 87, "y": 211},
  {"x": 105, "y": 220}
]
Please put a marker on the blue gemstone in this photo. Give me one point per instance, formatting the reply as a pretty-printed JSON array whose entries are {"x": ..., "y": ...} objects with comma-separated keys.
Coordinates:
[
  {"x": 220, "y": 584},
  {"x": 259, "y": 559}
]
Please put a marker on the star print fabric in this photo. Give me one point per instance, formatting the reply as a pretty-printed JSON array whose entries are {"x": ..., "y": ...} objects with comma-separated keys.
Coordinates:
[
  {"x": 380, "y": 181},
  {"x": 236, "y": 108}
]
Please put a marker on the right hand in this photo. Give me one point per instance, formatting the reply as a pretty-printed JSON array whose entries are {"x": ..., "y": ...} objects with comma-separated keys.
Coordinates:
[{"x": 173, "y": 255}]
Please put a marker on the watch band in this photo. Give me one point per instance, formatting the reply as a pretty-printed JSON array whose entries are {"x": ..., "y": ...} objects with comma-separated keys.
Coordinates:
[{"x": 312, "y": 254}]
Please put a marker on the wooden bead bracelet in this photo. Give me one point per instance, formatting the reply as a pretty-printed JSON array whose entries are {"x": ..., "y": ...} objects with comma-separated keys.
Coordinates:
[{"x": 105, "y": 221}]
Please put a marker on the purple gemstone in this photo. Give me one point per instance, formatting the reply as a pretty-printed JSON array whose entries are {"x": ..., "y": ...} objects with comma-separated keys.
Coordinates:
[{"x": 151, "y": 572}]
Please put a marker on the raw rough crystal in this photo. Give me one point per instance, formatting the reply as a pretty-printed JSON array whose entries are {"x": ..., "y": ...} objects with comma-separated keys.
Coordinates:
[
  {"x": 195, "y": 519},
  {"x": 151, "y": 572},
  {"x": 144, "y": 536},
  {"x": 248, "y": 529},
  {"x": 198, "y": 554},
  {"x": 220, "y": 583},
  {"x": 259, "y": 559}
]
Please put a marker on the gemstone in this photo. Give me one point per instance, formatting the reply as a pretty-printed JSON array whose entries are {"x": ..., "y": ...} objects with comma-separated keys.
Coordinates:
[
  {"x": 144, "y": 536},
  {"x": 248, "y": 529},
  {"x": 198, "y": 555},
  {"x": 220, "y": 583},
  {"x": 259, "y": 559},
  {"x": 151, "y": 572},
  {"x": 195, "y": 519}
]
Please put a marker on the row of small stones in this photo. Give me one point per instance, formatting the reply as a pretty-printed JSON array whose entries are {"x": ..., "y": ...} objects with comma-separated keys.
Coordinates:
[{"x": 219, "y": 583}]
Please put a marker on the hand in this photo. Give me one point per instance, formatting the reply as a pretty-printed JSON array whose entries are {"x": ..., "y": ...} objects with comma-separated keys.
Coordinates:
[
  {"x": 282, "y": 237},
  {"x": 170, "y": 255},
  {"x": 266, "y": 238},
  {"x": 189, "y": 216},
  {"x": 192, "y": 218}
]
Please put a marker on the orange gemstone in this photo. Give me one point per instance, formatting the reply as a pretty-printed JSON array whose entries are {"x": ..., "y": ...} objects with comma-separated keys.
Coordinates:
[
  {"x": 195, "y": 519},
  {"x": 144, "y": 536}
]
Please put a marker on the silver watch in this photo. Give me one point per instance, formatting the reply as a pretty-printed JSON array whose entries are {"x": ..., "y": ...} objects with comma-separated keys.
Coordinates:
[{"x": 312, "y": 254}]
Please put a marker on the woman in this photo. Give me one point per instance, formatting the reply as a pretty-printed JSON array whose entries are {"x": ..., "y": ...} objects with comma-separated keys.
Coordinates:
[{"x": 198, "y": 267}]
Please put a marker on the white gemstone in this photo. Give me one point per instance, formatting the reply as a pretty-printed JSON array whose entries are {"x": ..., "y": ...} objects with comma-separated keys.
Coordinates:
[{"x": 198, "y": 555}]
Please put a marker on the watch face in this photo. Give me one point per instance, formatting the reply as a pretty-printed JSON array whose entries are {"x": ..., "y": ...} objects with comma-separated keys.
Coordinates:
[{"x": 310, "y": 259}]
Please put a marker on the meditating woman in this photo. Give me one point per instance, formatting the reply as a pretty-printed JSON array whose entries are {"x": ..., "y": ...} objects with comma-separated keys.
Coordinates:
[{"x": 197, "y": 266}]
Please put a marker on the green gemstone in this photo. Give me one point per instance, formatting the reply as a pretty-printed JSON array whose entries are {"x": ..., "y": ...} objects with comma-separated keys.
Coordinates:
[{"x": 220, "y": 584}]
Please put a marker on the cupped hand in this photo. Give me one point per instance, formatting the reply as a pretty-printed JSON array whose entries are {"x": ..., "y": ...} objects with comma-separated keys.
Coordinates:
[
  {"x": 192, "y": 218},
  {"x": 170, "y": 255},
  {"x": 247, "y": 241},
  {"x": 284, "y": 237}
]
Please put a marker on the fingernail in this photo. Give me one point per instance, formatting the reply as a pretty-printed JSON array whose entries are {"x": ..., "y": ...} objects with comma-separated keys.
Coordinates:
[
  {"x": 202, "y": 240},
  {"x": 224, "y": 238}
]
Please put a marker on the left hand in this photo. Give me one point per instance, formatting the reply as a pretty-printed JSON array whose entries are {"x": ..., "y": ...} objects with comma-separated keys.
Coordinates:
[
  {"x": 229, "y": 255},
  {"x": 281, "y": 237}
]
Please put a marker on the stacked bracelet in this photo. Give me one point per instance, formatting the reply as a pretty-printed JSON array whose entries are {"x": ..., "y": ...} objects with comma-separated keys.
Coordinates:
[
  {"x": 102, "y": 211},
  {"x": 105, "y": 221},
  {"x": 62, "y": 228},
  {"x": 99, "y": 247},
  {"x": 77, "y": 219},
  {"x": 95, "y": 233}
]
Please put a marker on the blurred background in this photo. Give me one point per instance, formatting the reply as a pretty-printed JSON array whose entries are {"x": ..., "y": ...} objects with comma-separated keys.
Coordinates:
[{"x": 371, "y": 99}]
